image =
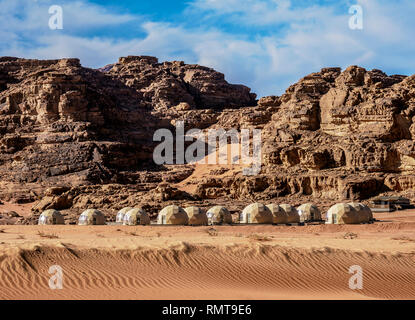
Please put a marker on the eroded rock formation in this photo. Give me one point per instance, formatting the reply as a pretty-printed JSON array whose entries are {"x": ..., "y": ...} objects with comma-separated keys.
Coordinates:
[{"x": 88, "y": 133}]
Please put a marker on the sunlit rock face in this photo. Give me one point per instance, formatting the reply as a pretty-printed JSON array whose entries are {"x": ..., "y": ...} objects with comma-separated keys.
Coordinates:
[
  {"x": 63, "y": 123},
  {"x": 332, "y": 135}
]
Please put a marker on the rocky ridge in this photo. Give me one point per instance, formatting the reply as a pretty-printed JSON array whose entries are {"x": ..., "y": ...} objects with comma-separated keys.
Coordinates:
[{"x": 74, "y": 137}]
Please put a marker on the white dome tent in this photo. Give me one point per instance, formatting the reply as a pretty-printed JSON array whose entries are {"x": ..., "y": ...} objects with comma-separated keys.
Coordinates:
[{"x": 256, "y": 213}]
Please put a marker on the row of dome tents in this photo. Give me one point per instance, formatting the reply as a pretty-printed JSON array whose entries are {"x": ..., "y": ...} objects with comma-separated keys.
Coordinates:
[
  {"x": 255, "y": 213},
  {"x": 172, "y": 215},
  {"x": 175, "y": 215},
  {"x": 88, "y": 217}
]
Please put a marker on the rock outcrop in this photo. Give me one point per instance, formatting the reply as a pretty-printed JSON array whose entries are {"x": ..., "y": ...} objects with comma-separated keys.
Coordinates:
[
  {"x": 62, "y": 123},
  {"x": 74, "y": 137},
  {"x": 333, "y": 135},
  {"x": 168, "y": 84}
]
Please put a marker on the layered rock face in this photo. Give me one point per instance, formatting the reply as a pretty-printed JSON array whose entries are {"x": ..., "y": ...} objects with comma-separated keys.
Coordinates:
[
  {"x": 336, "y": 135},
  {"x": 61, "y": 123},
  {"x": 168, "y": 84},
  {"x": 360, "y": 121},
  {"x": 333, "y": 135}
]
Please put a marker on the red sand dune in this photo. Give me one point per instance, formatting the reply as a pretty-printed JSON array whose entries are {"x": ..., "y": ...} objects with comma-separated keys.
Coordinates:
[{"x": 234, "y": 262}]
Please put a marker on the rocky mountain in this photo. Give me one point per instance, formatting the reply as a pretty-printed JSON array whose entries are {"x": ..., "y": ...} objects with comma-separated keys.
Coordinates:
[
  {"x": 74, "y": 137},
  {"x": 334, "y": 135},
  {"x": 163, "y": 85}
]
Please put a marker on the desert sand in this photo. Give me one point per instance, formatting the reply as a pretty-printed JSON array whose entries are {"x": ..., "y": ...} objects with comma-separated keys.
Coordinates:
[{"x": 220, "y": 262}]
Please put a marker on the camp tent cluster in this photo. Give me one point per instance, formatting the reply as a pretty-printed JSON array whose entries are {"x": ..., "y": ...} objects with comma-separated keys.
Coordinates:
[
  {"x": 88, "y": 217},
  {"x": 255, "y": 213},
  {"x": 280, "y": 214},
  {"x": 195, "y": 216}
]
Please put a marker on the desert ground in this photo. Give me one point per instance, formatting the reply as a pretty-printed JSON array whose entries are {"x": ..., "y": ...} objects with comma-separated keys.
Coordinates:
[{"x": 220, "y": 262}]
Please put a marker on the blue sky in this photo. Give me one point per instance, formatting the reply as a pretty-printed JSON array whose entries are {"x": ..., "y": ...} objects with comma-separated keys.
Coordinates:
[{"x": 264, "y": 44}]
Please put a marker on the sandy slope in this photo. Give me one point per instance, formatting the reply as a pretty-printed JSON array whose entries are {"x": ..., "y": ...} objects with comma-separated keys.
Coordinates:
[{"x": 234, "y": 262}]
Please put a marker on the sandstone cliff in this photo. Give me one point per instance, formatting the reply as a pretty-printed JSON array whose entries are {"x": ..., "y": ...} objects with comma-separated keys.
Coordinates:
[{"x": 74, "y": 137}]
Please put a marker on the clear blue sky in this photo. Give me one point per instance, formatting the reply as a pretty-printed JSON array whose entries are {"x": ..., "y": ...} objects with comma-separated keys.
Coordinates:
[{"x": 264, "y": 44}]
